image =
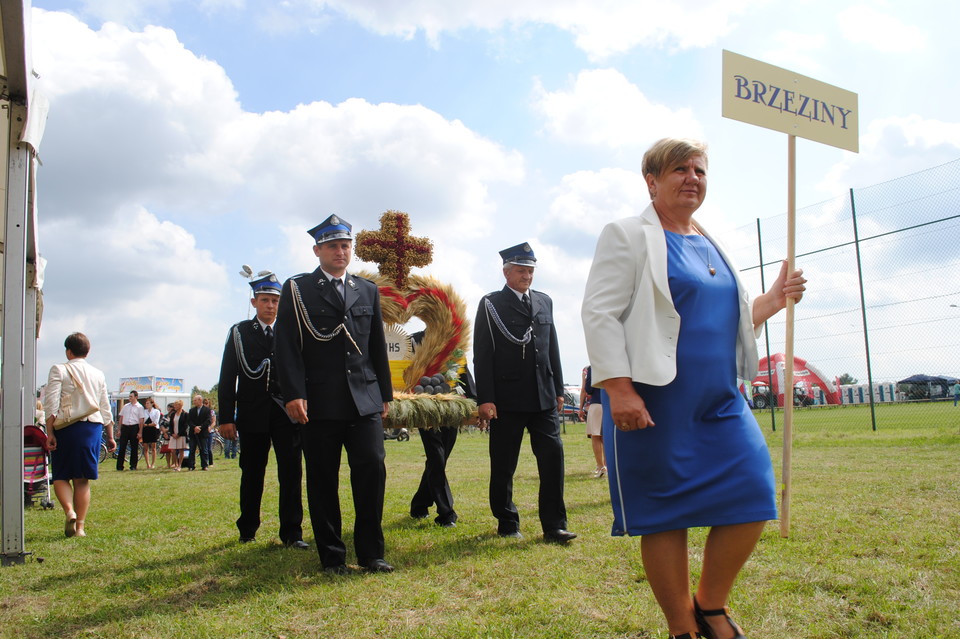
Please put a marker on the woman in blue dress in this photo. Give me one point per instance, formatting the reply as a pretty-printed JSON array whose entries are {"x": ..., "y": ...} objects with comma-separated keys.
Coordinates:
[{"x": 669, "y": 329}]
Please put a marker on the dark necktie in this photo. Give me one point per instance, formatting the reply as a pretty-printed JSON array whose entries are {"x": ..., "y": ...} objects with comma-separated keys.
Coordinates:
[
  {"x": 338, "y": 284},
  {"x": 526, "y": 303},
  {"x": 269, "y": 332}
]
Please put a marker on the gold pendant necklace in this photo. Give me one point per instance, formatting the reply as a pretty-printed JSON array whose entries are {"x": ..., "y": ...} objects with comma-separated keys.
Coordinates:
[{"x": 706, "y": 262}]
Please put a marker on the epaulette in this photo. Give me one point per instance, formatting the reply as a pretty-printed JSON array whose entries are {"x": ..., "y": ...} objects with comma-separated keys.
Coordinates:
[{"x": 239, "y": 325}]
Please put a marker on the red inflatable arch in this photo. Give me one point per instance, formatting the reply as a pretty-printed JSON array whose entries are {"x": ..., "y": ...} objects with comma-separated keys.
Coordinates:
[{"x": 805, "y": 376}]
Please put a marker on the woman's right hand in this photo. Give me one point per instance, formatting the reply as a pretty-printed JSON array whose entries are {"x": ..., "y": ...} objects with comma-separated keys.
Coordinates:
[{"x": 627, "y": 408}]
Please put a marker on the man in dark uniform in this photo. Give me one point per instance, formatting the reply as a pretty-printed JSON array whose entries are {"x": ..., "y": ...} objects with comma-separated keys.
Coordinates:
[
  {"x": 249, "y": 398},
  {"x": 516, "y": 360},
  {"x": 332, "y": 360},
  {"x": 438, "y": 443}
]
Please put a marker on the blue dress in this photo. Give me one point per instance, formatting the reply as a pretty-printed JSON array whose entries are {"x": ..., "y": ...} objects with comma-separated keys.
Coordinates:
[{"x": 705, "y": 463}]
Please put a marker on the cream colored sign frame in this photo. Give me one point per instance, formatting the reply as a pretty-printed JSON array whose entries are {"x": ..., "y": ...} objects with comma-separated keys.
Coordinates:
[{"x": 759, "y": 93}]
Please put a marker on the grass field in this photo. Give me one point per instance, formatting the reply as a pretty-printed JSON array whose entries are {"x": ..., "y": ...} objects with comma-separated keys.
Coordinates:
[{"x": 873, "y": 552}]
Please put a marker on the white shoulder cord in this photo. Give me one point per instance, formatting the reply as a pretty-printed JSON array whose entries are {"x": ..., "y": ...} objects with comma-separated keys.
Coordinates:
[
  {"x": 303, "y": 319},
  {"x": 510, "y": 337},
  {"x": 249, "y": 371}
]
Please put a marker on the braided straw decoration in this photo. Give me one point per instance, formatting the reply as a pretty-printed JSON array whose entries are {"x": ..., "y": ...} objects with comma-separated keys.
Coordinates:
[{"x": 443, "y": 312}]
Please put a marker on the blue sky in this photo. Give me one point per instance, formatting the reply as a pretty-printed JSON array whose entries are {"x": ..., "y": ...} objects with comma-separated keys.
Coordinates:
[{"x": 187, "y": 138}]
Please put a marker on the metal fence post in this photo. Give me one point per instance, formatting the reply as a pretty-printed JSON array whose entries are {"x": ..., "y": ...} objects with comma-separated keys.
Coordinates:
[
  {"x": 863, "y": 311},
  {"x": 766, "y": 336}
]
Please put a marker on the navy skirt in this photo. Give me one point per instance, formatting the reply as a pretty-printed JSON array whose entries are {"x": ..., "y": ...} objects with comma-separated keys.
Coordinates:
[{"x": 78, "y": 451}]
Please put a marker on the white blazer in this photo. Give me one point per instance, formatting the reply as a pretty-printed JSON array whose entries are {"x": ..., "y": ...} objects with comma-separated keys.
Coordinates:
[
  {"x": 629, "y": 320},
  {"x": 92, "y": 378}
]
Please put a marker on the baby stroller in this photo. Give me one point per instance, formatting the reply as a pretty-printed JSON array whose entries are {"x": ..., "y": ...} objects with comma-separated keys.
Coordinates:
[{"x": 36, "y": 467}]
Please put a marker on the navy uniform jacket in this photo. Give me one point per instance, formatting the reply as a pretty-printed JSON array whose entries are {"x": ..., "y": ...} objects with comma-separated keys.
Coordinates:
[
  {"x": 514, "y": 377},
  {"x": 244, "y": 400},
  {"x": 338, "y": 381}
]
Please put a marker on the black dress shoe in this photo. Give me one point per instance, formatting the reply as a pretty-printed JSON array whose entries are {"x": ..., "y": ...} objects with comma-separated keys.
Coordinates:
[
  {"x": 247, "y": 540},
  {"x": 378, "y": 565},
  {"x": 511, "y": 535},
  {"x": 339, "y": 569},
  {"x": 447, "y": 524},
  {"x": 419, "y": 514},
  {"x": 299, "y": 544},
  {"x": 559, "y": 536}
]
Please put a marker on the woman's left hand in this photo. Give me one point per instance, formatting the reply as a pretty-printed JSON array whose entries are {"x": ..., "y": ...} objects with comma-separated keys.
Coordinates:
[
  {"x": 786, "y": 286},
  {"x": 51, "y": 441}
]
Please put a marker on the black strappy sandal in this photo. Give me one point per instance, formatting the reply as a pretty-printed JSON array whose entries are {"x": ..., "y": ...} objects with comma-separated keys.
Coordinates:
[
  {"x": 701, "y": 616},
  {"x": 685, "y": 635}
]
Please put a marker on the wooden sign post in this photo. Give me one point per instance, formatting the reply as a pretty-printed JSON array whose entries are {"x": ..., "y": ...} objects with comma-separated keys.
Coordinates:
[{"x": 764, "y": 95}]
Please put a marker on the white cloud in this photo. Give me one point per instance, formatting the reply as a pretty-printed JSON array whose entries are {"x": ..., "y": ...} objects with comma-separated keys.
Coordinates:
[
  {"x": 894, "y": 146},
  {"x": 135, "y": 117},
  {"x": 601, "y": 28},
  {"x": 604, "y": 108},
  {"x": 863, "y": 24},
  {"x": 128, "y": 12},
  {"x": 138, "y": 13},
  {"x": 585, "y": 201},
  {"x": 358, "y": 156},
  {"x": 154, "y": 178},
  {"x": 128, "y": 111},
  {"x": 797, "y": 51},
  {"x": 150, "y": 300}
]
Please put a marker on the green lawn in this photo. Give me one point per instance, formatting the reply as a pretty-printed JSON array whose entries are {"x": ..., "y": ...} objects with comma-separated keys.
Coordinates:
[{"x": 873, "y": 552}]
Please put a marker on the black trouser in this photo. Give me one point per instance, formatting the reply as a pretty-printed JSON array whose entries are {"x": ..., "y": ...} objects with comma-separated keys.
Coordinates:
[
  {"x": 323, "y": 441},
  {"x": 202, "y": 442},
  {"x": 128, "y": 436},
  {"x": 285, "y": 438},
  {"x": 434, "y": 487},
  {"x": 506, "y": 436}
]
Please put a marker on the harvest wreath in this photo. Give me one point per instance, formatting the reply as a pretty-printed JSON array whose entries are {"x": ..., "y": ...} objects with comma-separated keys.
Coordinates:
[{"x": 447, "y": 330}]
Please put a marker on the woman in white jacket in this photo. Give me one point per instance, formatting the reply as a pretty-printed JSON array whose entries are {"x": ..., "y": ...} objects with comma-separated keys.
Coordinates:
[
  {"x": 75, "y": 445},
  {"x": 669, "y": 328}
]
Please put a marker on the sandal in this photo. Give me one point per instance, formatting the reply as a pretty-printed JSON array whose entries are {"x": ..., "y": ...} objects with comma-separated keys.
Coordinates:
[
  {"x": 70, "y": 526},
  {"x": 701, "y": 617},
  {"x": 686, "y": 635}
]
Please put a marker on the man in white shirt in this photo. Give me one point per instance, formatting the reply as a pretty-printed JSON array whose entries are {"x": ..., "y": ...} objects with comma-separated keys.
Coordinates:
[{"x": 131, "y": 430}]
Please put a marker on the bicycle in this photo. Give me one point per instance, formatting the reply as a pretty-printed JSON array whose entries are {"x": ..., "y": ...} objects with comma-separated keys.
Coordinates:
[
  {"x": 216, "y": 444},
  {"x": 104, "y": 452}
]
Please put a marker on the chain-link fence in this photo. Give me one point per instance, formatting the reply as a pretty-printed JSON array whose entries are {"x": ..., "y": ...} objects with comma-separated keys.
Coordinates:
[{"x": 883, "y": 303}]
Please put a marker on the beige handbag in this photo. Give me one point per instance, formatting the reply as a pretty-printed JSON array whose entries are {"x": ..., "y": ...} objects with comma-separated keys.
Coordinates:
[{"x": 76, "y": 405}]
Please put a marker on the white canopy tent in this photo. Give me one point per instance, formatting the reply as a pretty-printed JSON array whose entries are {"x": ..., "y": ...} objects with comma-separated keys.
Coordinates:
[{"x": 22, "y": 119}]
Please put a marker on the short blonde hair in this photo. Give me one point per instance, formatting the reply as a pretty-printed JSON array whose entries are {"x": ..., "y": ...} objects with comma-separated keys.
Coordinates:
[
  {"x": 177, "y": 405},
  {"x": 670, "y": 152}
]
